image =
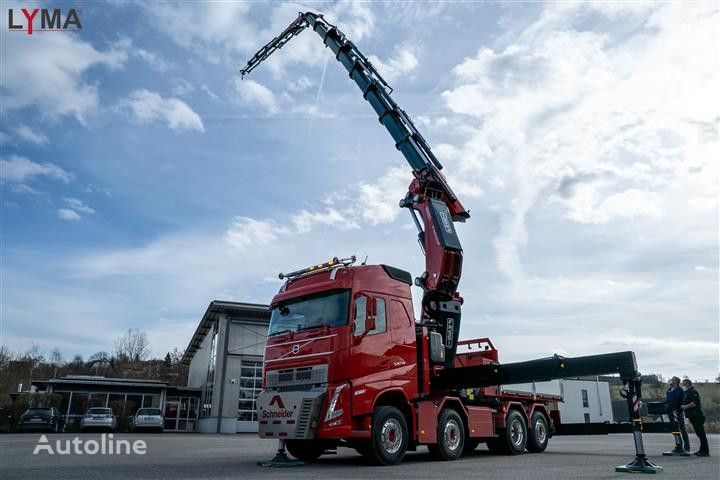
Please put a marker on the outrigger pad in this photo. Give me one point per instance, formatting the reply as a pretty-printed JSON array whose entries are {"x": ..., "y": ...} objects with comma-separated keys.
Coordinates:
[
  {"x": 640, "y": 465},
  {"x": 281, "y": 460}
]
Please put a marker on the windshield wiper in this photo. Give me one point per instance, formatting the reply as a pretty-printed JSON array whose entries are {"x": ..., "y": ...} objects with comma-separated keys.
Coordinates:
[{"x": 280, "y": 332}]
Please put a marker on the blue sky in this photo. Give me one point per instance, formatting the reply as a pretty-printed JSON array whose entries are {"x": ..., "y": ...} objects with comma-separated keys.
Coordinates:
[{"x": 141, "y": 178}]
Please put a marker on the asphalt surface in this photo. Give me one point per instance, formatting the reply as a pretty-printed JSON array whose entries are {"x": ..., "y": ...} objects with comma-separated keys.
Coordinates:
[{"x": 202, "y": 456}]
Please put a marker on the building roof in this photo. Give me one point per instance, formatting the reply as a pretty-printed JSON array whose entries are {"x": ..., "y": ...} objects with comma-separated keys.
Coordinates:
[
  {"x": 251, "y": 313},
  {"x": 99, "y": 380}
]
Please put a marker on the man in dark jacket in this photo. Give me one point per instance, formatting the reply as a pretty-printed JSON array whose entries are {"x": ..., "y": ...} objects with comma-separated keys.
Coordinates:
[
  {"x": 693, "y": 409},
  {"x": 674, "y": 399}
]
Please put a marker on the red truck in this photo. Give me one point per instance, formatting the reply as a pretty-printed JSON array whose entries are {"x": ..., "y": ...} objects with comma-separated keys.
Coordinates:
[{"x": 348, "y": 364}]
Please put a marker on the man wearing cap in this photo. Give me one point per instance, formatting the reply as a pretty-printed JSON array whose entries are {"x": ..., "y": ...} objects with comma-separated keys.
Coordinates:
[{"x": 693, "y": 409}]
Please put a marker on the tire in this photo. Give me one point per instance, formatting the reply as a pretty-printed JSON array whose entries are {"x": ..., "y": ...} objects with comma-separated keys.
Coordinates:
[
  {"x": 389, "y": 437},
  {"x": 305, "y": 450},
  {"x": 538, "y": 436},
  {"x": 470, "y": 445},
  {"x": 511, "y": 440},
  {"x": 450, "y": 435}
]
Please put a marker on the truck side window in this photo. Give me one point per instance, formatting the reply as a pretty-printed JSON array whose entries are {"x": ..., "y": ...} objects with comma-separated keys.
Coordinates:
[
  {"x": 380, "y": 318},
  {"x": 359, "y": 321}
]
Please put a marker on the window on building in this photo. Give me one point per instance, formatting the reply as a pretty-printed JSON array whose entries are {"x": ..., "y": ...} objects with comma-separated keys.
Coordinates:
[
  {"x": 586, "y": 404},
  {"x": 250, "y": 386},
  {"x": 208, "y": 393}
]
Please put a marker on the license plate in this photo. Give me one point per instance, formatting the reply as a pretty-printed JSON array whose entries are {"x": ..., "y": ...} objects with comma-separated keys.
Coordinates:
[
  {"x": 36, "y": 420},
  {"x": 97, "y": 417}
]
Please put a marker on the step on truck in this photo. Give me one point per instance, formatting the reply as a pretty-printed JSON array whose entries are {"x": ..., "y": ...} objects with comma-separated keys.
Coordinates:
[{"x": 347, "y": 361}]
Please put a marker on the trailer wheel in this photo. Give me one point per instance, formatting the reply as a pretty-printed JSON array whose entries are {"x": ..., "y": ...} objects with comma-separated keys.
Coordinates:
[
  {"x": 389, "y": 439},
  {"x": 305, "y": 450},
  {"x": 450, "y": 435},
  {"x": 539, "y": 433},
  {"x": 513, "y": 439}
]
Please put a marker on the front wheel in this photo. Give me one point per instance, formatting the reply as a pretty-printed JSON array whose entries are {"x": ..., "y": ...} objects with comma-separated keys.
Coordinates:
[
  {"x": 538, "y": 436},
  {"x": 389, "y": 440},
  {"x": 305, "y": 450},
  {"x": 450, "y": 436}
]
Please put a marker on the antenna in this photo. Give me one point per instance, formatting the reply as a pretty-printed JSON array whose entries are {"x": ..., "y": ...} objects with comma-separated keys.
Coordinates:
[{"x": 364, "y": 262}]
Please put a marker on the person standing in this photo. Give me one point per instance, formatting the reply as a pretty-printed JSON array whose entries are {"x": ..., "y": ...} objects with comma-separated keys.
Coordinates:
[
  {"x": 674, "y": 400},
  {"x": 693, "y": 409}
]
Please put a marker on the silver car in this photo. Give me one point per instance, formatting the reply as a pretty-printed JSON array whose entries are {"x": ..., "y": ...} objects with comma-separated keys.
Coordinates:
[
  {"x": 98, "y": 418},
  {"x": 148, "y": 419}
]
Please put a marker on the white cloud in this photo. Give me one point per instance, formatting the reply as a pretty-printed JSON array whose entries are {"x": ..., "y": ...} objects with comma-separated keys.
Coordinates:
[
  {"x": 68, "y": 214},
  {"x": 19, "y": 169},
  {"x": 27, "y": 134},
  {"x": 47, "y": 73},
  {"x": 78, "y": 206},
  {"x": 399, "y": 65},
  {"x": 149, "y": 107},
  {"x": 627, "y": 105},
  {"x": 304, "y": 221},
  {"x": 245, "y": 232},
  {"x": 155, "y": 61},
  {"x": 254, "y": 94},
  {"x": 378, "y": 201},
  {"x": 209, "y": 92}
]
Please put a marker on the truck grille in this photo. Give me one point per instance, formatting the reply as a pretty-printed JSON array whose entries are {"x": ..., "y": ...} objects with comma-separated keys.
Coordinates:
[{"x": 293, "y": 379}]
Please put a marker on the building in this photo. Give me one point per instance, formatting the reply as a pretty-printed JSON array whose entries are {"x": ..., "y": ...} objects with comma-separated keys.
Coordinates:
[
  {"x": 225, "y": 358},
  {"x": 125, "y": 396},
  {"x": 585, "y": 401}
]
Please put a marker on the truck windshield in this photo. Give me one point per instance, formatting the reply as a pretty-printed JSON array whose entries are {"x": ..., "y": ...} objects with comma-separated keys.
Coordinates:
[{"x": 311, "y": 311}]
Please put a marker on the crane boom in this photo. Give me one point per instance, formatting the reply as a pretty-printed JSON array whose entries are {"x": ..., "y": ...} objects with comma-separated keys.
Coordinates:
[{"x": 429, "y": 194}]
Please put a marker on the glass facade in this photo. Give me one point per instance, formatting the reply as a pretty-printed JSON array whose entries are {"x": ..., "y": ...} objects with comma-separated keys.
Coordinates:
[
  {"x": 208, "y": 393},
  {"x": 250, "y": 385}
]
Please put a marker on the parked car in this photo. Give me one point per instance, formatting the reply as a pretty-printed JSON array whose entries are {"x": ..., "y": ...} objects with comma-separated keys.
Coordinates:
[
  {"x": 98, "y": 418},
  {"x": 147, "y": 419},
  {"x": 41, "y": 418}
]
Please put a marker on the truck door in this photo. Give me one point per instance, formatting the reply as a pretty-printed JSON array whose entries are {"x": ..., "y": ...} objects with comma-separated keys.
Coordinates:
[{"x": 370, "y": 351}]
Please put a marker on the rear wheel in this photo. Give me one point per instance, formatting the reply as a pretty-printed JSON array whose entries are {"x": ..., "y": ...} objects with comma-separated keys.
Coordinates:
[
  {"x": 305, "y": 450},
  {"x": 450, "y": 436},
  {"x": 389, "y": 440},
  {"x": 539, "y": 433},
  {"x": 511, "y": 440}
]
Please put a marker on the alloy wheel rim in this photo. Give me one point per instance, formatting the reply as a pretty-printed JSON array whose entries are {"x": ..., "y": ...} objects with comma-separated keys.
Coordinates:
[
  {"x": 516, "y": 433},
  {"x": 540, "y": 432},
  {"x": 391, "y": 436},
  {"x": 452, "y": 435}
]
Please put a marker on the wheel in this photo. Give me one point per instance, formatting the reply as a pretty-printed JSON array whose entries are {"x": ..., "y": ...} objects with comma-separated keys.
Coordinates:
[
  {"x": 470, "y": 445},
  {"x": 450, "y": 435},
  {"x": 389, "y": 437},
  {"x": 305, "y": 450},
  {"x": 513, "y": 439},
  {"x": 539, "y": 433}
]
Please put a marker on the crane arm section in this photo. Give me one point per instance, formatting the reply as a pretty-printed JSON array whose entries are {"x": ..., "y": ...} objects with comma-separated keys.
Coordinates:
[{"x": 429, "y": 196}]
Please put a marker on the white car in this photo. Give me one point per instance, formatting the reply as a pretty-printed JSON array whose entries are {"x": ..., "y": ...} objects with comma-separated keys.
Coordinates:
[
  {"x": 148, "y": 419},
  {"x": 98, "y": 418}
]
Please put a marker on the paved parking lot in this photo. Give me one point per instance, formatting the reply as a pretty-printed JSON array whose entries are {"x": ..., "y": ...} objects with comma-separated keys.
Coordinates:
[{"x": 199, "y": 456}]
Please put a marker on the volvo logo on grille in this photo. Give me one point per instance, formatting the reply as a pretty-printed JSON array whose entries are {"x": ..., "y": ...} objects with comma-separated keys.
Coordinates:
[{"x": 296, "y": 348}]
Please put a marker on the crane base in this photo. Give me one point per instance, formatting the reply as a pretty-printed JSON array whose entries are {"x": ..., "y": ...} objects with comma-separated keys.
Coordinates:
[
  {"x": 281, "y": 460},
  {"x": 639, "y": 465}
]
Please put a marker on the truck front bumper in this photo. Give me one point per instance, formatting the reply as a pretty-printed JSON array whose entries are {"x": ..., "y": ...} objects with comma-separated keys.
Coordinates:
[{"x": 289, "y": 415}]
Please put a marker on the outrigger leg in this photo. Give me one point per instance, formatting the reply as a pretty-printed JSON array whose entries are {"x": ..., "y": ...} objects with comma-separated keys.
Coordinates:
[
  {"x": 281, "y": 459},
  {"x": 640, "y": 464}
]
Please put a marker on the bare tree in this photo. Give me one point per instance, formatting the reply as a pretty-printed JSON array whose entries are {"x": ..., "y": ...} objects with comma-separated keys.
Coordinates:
[
  {"x": 133, "y": 345},
  {"x": 56, "y": 361}
]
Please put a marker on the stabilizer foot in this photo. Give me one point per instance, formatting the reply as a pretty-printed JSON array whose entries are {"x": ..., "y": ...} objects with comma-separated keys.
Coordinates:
[{"x": 640, "y": 465}]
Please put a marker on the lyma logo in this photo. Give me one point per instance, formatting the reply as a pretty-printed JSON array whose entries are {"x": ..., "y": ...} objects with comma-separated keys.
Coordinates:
[{"x": 43, "y": 20}]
